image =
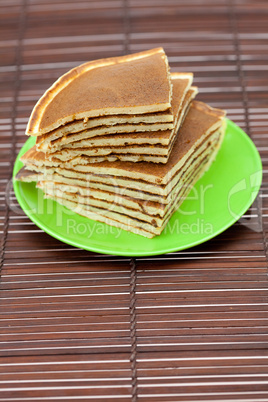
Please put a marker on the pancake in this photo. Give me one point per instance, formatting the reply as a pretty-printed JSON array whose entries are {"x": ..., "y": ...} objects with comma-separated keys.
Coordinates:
[
  {"x": 121, "y": 141},
  {"x": 100, "y": 217},
  {"x": 200, "y": 121},
  {"x": 127, "y": 146},
  {"x": 163, "y": 139},
  {"x": 118, "y": 85},
  {"x": 80, "y": 138},
  {"x": 135, "y": 223},
  {"x": 29, "y": 176},
  {"x": 139, "y": 197},
  {"x": 107, "y": 134},
  {"x": 33, "y": 156},
  {"x": 98, "y": 131},
  {"x": 115, "y": 199},
  {"x": 144, "y": 195},
  {"x": 149, "y": 119},
  {"x": 125, "y": 186},
  {"x": 137, "y": 187}
]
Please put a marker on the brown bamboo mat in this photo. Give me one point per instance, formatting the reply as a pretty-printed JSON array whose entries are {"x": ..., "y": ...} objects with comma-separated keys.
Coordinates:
[{"x": 188, "y": 326}]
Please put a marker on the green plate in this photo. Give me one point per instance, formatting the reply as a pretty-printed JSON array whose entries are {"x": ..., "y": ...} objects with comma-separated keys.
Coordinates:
[{"x": 218, "y": 199}]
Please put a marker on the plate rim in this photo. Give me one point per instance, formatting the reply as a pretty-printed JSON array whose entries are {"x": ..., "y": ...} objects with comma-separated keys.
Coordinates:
[{"x": 104, "y": 250}]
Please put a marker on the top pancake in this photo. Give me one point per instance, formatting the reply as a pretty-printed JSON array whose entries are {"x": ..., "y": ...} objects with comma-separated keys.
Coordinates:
[
  {"x": 55, "y": 141},
  {"x": 132, "y": 84}
]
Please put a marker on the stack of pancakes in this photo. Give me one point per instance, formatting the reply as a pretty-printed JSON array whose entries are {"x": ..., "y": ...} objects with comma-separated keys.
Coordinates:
[{"x": 121, "y": 141}]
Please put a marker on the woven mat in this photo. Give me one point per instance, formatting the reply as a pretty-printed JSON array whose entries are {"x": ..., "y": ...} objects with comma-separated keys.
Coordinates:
[{"x": 188, "y": 326}]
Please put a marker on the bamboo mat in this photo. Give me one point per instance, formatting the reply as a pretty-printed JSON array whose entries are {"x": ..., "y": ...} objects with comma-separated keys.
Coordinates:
[{"x": 187, "y": 326}]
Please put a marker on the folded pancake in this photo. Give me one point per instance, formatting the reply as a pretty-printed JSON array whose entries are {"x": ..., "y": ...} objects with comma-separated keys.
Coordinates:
[
  {"x": 46, "y": 144},
  {"x": 137, "y": 188},
  {"x": 114, "y": 198},
  {"x": 35, "y": 162},
  {"x": 128, "y": 218},
  {"x": 199, "y": 123},
  {"x": 119, "y": 186},
  {"x": 130, "y": 147},
  {"x": 28, "y": 176},
  {"x": 101, "y": 133},
  {"x": 139, "y": 197},
  {"x": 113, "y": 86}
]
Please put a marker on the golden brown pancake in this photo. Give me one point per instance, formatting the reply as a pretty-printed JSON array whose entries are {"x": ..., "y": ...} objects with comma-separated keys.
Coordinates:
[
  {"x": 125, "y": 218},
  {"x": 150, "y": 194},
  {"x": 154, "y": 154},
  {"x": 132, "y": 84},
  {"x": 147, "y": 186},
  {"x": 78, "y": 138},
  {"x": 107, "y": 133},
  {"x": 161, "y": 118},
  {"x": 93, "y": 194},
  {"x": 116, "y": 199},
  {"x": 35, "y": 157},
  {"x": 199, "y": 122}
]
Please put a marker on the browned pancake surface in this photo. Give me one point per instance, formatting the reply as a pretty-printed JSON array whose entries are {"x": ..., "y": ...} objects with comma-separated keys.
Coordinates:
[
  {"x": 139, "y": 81},
  {"x": 200, "y": 119}
]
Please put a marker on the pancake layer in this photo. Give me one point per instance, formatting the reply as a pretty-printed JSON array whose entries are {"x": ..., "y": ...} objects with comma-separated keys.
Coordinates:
[
  {"x": 139, "y": 197},
  {"x": 112, "y": 86}
]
